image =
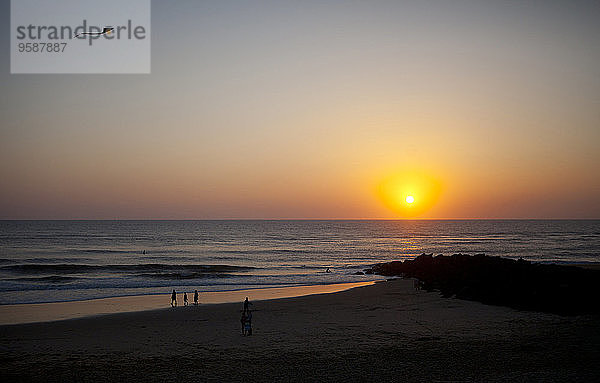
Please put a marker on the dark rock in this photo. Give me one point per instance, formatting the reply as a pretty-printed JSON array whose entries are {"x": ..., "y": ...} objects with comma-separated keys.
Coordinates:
[
  {"x": 359, "y": 273},
  {"x": 566, "y": 290}
]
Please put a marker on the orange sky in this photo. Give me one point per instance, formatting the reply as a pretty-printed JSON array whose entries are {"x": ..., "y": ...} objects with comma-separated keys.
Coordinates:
[{"x": 303, "y": 111}]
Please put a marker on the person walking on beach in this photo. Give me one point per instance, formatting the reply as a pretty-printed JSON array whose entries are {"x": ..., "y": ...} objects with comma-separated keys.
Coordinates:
[
  {"x": 174, "y": 299},
  {"x": 196, "y": 297},
  {"x": 246, "y": 303},
  {"x": 185, "y": 300}
]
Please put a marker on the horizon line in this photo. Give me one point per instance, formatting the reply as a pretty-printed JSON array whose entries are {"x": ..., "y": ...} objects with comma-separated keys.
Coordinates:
[{"x": 299, "y": 219}]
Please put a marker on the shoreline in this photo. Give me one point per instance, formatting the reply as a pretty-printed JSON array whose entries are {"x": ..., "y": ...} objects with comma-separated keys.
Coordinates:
[{"x": 23, "y": 313}]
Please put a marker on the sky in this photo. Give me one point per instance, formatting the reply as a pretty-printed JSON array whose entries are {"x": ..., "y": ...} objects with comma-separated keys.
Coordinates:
[{"x": 318, "y": 109}]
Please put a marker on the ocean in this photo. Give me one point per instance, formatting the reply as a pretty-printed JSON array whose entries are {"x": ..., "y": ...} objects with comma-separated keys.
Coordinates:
[{"x": 54, "y": 261}]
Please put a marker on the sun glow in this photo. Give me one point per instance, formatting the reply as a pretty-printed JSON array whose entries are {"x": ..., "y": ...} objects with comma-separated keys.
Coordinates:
[{"x": 409, "y": 193}]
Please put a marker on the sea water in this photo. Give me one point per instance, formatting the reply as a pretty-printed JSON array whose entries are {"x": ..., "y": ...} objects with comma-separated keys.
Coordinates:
[{"x": 52, "y": 261}]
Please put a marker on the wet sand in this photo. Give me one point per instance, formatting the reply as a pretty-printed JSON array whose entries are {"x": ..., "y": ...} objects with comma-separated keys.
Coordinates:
[
  {"x": 384, "y": 332},
  {"x": 45, "y": 312}
]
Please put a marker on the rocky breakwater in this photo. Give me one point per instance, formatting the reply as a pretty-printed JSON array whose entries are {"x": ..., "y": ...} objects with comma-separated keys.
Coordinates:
[{"x": 520, "y": 284}]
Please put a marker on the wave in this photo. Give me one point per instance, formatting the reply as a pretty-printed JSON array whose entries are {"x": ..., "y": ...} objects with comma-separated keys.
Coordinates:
[
  {"x": 45, "y": 260},
  {"x": 281, "y": 251},
  {"x": 139, "y": 268},
  {"x": 54, "y": 279},
  {"x": 104, "y": 251},
  {"x": 48, "y": 279},
  {"x": 108, "y": 287},
  {"x": 178, "y": 276}
]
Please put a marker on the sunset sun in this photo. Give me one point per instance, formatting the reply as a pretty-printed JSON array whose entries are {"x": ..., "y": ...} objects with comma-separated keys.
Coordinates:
[{"x": 409, "y": 193}]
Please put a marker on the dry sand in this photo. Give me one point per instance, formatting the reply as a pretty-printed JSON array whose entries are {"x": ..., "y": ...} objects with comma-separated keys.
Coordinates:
[{"x": 384, "y": 332}]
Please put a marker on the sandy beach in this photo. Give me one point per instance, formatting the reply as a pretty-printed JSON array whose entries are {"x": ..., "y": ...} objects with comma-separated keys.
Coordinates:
[
  {"x": 383, "y": 332},
  {"x": 46, "y": 312}
]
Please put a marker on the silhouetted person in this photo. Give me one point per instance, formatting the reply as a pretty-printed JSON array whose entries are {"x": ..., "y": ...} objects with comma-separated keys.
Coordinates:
[
  {"x": 185, "y": 301},
  {"x": 246, "y": 303},
  {"x": 174, "y": 299},
  {"x": 144, "y": 252},
  {"x": 195, "y": 297},
  {"x": 328, "y": 271}
]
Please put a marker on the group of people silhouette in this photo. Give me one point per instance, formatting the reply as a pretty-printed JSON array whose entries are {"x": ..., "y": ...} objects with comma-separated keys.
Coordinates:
[
  {"x": 185, "y": 298},
  {"x": 246, "y": 319}
]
